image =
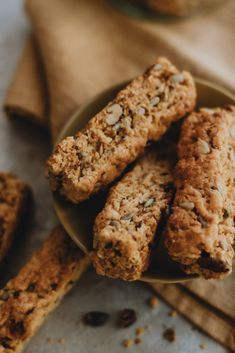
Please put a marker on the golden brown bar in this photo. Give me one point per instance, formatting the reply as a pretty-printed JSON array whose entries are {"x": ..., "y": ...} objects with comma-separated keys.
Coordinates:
[
  {"x": 115, "y": 137},
  {"x": 124, "y": 230},
  {"x": 200, "y": 231},
  {"x": 27, "y": 300}
]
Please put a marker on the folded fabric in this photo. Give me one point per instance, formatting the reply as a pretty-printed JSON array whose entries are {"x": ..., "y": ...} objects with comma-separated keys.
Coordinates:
[{"x": 79, "y": 48}]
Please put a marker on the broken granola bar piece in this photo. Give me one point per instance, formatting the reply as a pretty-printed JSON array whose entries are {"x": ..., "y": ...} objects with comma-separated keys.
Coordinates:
[{"x": 28, "y": 299}]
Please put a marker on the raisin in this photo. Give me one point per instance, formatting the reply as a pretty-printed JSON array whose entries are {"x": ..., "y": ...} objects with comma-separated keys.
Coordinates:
[
  {"x": 109, "y": 245},
  {"x": 54, "y": 286},
  {"x": 169, "y": 187},
  {"x": 30, "y": 311},
  {"x": 17, "y": 327},
  {"x": 16, "y": 294},
  {"x": 211, "y": 264},
  {"x": 127, "y": 317},
  {"x": 169, "y": 335},
  {"x": 95, "y": 318},
  {"x": 1, "y": 225},
  {"x": 5, "y": 342},
  {"x": 31, "y": 287}
]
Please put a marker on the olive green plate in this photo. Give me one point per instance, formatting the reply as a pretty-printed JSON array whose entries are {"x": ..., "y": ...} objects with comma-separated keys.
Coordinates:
[
  {"x": 140, "y": 11},
  {"x": 78, "y": 219}
]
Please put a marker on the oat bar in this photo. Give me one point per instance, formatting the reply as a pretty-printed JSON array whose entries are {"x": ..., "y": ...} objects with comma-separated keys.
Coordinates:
[
  {"x": 200, "y": 230},
  {"x": 124, "y": 230},
  {"x": 13, "y": 200},
  {"x": 27, "y": 299},
  {"x": 143, "y": 111}
]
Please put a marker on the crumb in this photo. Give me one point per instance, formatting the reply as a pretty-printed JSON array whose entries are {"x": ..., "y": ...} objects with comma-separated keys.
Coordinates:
[
  {"x": 173, "y": 313},
  {"x": 169, "y": 335},
  {"x": 127, "y": 343},
  {"x": 153, "y": 302},
  {"x": 49, "y": 340},
  {"x": 61, "y": 341},
  {"x": 139, "y": 331},
  {"x": 137, "y": 341},
  {"x": 147, "y": 327},
  {"x": 203, "y": 346}
]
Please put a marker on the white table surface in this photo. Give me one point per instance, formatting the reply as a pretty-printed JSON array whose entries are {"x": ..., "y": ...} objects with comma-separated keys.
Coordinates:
[{"x": 23, "y": 150}]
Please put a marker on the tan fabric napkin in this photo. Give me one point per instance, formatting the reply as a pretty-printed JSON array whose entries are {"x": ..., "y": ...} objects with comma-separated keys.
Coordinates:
[{"x": 81, "y": 47}]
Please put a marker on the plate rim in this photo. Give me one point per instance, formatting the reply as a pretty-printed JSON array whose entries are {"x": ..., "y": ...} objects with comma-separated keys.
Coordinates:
[{"x": 148, "y": 278}]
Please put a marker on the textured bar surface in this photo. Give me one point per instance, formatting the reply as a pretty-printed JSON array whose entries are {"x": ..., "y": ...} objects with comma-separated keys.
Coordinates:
[
  {"x": 124, "y": 230},
  {"x": 200, "y": 231},
  {"x": 14, "y": 194},
  {"x": 115, "y": 137},
  {"x": 26, "y": 300}
]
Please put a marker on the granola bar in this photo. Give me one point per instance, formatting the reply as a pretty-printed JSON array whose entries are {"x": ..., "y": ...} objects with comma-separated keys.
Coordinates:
[
  {"x": 200, "y": 230},
  {"x": 13, "y": 199},
  {"x": 27, "y": 299},
  {"x": 124, "y": 230},
  {"x": 115, "y": 137}
]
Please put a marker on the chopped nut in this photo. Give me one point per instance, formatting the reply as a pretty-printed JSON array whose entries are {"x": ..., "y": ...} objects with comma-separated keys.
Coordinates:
[
  {"x": 207, "y": 110},
  {"x": 101, "y": 150},
  {"x": 232, "y": 132},
  {"x": 221, "y": 189},
  {"x": 116, "y": 126},
  {"x": 137, "y": 341},
  {"x": 169, "y": 335},
  {"x": 173, "y": 313},
  {"x": 115, "y": 112},
  {"x": 149, "y": 202},
  {"x": 139, "y": 331},
  {"x": 202, "y": 221},
  {"x": 141, "y": 111},
  {"x": 157, "y": 67},
  {"x": 203, "y": 346},
  {"x": 111, "y": 120},
  {"x": 178, "y": 78},
  {"x": 187, "y": 205},
  {"x": 127, "y": 217},
  {"x": 153, "y": 302},
  {"x": 223, "y": 244},
  {"x": 203, "y": 147},
  {"x": 127, "y": 343},
  {"x": 154, "y": 101}
]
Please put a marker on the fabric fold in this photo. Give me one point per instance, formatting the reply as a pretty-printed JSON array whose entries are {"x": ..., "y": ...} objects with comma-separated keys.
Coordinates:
[
  {"x": 26, "y": 96},
  {"x": 193, "y": 308}
]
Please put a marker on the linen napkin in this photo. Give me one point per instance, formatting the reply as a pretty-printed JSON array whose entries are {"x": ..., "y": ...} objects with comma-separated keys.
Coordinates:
[{"x": 79, "y": 48}]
